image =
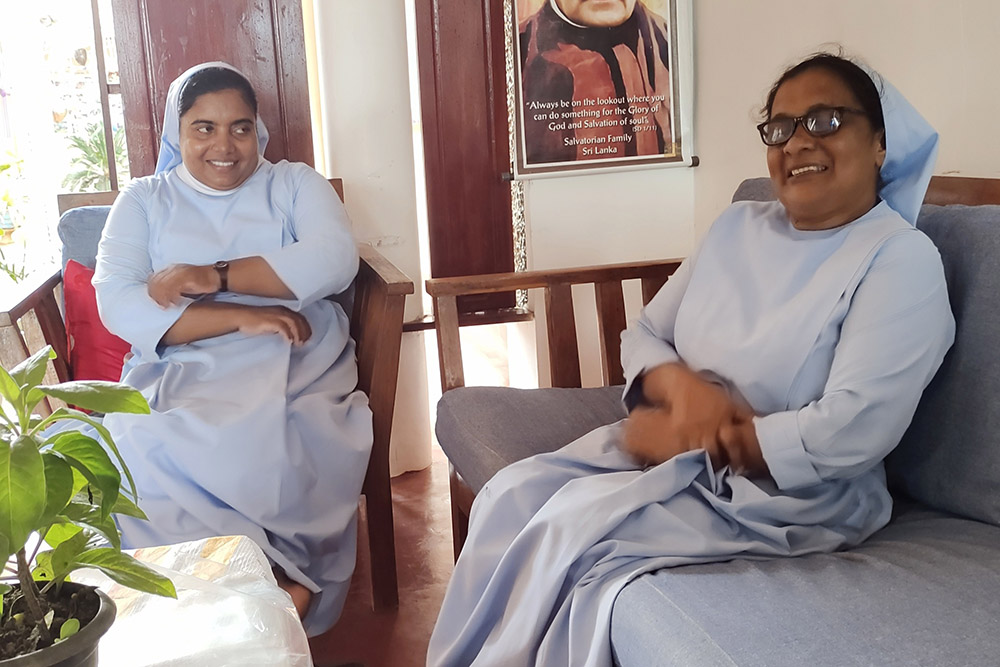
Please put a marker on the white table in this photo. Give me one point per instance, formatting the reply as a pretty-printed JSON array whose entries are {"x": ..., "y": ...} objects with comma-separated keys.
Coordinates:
[{"x": 229, "y": 611}]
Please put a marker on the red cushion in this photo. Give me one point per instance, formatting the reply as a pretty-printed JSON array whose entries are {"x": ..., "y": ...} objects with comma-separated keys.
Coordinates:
[{"x": 94, "y": 352}]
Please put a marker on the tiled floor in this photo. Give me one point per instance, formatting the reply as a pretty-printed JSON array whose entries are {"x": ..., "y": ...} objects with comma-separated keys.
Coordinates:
[{"x": 422, "y": 524}]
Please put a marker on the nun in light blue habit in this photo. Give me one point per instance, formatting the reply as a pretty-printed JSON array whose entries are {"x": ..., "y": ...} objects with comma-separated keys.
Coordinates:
[
  {"x": 828, "y": 332},
  {"x": 249, "y": 433}
]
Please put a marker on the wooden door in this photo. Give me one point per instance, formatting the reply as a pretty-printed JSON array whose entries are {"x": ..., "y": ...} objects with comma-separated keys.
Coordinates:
[
  {"x": 463, "y": 93},
  {"x": 262, "y": 38}
]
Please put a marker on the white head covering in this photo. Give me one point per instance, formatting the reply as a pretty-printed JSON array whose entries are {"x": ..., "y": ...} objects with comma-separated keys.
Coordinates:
[
  {"x": 911, "y": 146},
  {"x": 170, "y": 149}
]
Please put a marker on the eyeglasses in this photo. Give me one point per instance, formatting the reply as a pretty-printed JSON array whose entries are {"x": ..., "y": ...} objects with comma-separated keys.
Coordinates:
[{"x": 818, "y": 122}]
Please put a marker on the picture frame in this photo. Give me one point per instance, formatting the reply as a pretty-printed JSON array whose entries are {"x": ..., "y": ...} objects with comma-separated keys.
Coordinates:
[{"x": 602, "y": 85}]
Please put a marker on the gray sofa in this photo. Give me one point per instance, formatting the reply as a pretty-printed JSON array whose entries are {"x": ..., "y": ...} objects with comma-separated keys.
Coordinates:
[{"x": 923, "y": 591}]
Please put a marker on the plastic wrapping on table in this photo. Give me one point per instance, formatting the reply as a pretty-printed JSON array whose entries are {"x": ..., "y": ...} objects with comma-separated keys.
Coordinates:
[{"x": 228, "y": 611}]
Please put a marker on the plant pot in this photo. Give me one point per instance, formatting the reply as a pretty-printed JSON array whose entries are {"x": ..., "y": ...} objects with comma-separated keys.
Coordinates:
[{"x": 80, "y": 650}]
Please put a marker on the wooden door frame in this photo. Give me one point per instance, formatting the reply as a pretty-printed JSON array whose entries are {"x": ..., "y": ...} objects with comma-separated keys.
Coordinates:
[{"x": 463, "y": 93}]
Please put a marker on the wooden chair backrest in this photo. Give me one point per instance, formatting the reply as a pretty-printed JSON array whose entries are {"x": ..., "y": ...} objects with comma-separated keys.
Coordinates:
[
  {"x": 563, "y": 348},
  {"x": 560, "y": 320}
]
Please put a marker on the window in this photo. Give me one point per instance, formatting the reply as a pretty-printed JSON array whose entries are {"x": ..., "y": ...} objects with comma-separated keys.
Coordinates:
[{"x": 61, "y": 121}]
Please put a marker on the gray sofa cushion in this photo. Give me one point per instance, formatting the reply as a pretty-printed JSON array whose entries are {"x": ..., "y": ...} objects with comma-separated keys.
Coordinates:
[
  {"x": 923, "y": 591},
  {"x": 483, "y": 429},
  {"x": 80, "y": 230},
  {"x": 754, "y": 189},
  {"x": 949, "y": 458}
]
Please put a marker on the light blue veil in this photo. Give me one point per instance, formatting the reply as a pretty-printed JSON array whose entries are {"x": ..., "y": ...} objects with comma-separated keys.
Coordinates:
[{"x": 911, "y": 146}]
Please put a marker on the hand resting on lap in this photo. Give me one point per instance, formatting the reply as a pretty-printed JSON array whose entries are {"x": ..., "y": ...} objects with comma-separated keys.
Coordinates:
[{"x": 685, "y": 412}]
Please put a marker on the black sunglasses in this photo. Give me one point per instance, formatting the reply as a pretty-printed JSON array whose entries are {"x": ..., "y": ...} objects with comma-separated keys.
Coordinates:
[{"x": 818, "y": 122}]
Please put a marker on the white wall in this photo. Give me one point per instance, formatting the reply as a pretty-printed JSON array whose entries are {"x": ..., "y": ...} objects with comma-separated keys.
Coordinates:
[
  {"x": 365, "y": 92},
  {"x": 361, "y": 48},
  {"x": 943, "y": 56},
  {"x": 603, "y": 219}
]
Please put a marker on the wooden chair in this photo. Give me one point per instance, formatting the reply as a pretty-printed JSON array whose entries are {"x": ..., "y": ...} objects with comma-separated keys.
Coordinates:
[
  {"x": 560, "y": 321},
  {"x": 31, "y": 318}
]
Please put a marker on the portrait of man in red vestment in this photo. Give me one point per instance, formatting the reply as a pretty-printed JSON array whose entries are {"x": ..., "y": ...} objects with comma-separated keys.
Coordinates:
[{"x": 596, "y": 81}]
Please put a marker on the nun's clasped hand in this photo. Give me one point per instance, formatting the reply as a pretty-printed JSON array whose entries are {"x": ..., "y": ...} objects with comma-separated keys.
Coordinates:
[
  {"x": 169, "y": 286},
  {"x": 683, "y": 412},
  {"x": 265, "y": 320}
]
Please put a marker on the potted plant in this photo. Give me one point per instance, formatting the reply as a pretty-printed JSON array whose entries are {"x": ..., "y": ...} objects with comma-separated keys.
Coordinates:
[{"x": 62, "y": 487}]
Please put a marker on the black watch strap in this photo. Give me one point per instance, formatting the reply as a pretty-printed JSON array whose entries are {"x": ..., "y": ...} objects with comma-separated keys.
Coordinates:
[{"x": 222, "y": 268}]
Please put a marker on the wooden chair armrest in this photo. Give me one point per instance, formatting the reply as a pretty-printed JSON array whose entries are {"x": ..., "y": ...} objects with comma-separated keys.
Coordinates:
[
  {"x": 30, "y": 318},
  {"x": 564, "y": 361},
  {"x": 395, "y": 281},
  {"x": 380, "y": 291},
  {"x": 27, "y": 294}
]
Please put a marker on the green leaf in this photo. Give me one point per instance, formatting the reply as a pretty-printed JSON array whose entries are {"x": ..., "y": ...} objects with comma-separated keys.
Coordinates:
[
  {"x": 67, "y": 413},
  {"x": 64, "y": 555},
  {"x": 99, "y": 396},
  {"x": 22, "y": 490},
  {"x": 125, "y": 506},
  {"x": 43, "y": 570},
  {"x": 88, "y": 516},
  {"x": 31, "y": 371},
  {"x": 69, "y": 628},
  {"x": 127, "y": 571},
  {"x": 4, "y": 589},
  {"x": 58, "y": 486},
  {"x": 87, "y": 456},
  {"x": 9, "y": 388},
  {"x": 32, "y": 398},
  {"x": 60, "y": 532},
  {"x": 80, "y": 483}
]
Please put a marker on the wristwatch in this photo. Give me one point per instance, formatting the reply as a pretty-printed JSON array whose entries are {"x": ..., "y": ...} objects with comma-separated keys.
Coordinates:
[{"x": 222, "y": 268}]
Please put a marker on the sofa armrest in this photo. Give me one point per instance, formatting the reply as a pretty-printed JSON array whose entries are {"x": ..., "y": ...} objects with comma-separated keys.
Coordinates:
[
  {"x": 564, "y": 360},
  {"x": 30, "y": 318}
]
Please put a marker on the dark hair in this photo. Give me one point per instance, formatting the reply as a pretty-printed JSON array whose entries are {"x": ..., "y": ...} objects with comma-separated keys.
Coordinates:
[
  {"x": 212, "y": 80},
  {"x": 853, "y": 76}
]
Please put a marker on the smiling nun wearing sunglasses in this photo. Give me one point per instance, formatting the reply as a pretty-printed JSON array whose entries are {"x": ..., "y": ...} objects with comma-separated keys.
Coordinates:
[{"x": 766, "y": 382}]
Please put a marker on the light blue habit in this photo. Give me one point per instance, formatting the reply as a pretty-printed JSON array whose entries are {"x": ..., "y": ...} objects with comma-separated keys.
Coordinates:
[
  {"x": 831, "y": 336},
  {"x": 248, "y": 435}
]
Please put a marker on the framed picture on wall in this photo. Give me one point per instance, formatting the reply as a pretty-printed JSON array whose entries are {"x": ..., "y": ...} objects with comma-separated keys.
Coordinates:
[{"x": 602, "y": 85}]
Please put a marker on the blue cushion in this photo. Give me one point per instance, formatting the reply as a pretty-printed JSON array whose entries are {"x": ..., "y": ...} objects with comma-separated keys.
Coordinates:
[
  {"x": 923, "y": 591},
  {"x": 80, "y": 230},
  {"x": 483, "y": 429},
  {"x": 949, "y": 458}
]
